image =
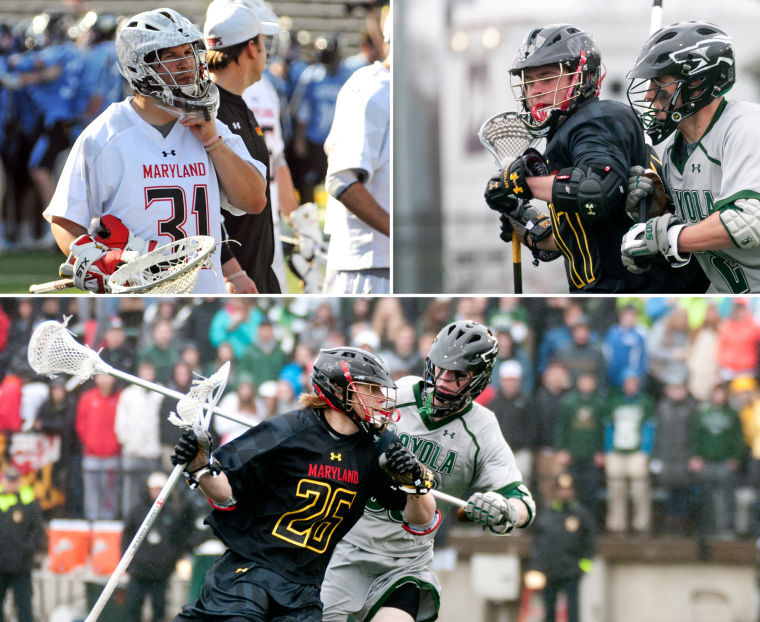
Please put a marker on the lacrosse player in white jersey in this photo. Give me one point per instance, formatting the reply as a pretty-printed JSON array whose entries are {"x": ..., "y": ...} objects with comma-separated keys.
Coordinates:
[
  {"x": 711, "y": 165},
  {"x": 379, "y": 569},
  {"x": 157, "y": 166},
  {"x": 358, "y": 183}
]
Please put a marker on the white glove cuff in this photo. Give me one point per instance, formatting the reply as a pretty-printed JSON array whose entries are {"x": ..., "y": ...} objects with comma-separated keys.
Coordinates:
[{"x": 673, "y": 234}]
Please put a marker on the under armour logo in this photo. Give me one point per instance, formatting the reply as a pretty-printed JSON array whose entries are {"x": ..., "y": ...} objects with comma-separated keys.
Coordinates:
[
  {"x": 515, "y": 188},
  {"x": 241, "y": 570},
  {"x": 447, "y": 433},
  {"x": 696, "y": 168},
  {"x": 335, "y": 457},
  {"x": 236, "y": 125},
  {"x": 590, "y": 209},
  {"x": 168, "y": 153}
]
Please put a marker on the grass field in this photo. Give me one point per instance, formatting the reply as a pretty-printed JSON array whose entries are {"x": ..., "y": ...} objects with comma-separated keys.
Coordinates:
[{"x": 19, "y": 269}]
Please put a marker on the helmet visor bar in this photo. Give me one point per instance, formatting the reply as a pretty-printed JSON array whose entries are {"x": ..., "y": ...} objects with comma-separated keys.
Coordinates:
[{"x": 377, "y": 403}]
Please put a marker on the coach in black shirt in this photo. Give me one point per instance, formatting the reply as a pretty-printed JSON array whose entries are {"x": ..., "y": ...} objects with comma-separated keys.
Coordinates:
[{"x": 236, "y": 59}]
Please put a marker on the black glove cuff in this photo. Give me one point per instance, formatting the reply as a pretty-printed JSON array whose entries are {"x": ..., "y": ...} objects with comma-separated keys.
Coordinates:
[{"x": 193, "y": 477}]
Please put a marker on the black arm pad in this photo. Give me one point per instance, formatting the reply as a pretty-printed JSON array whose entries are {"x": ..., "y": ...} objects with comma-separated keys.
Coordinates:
[{"x": 591, "y": 191}]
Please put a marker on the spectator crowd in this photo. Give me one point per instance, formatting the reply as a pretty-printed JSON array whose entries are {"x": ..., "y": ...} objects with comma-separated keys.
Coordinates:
[{"x": 653, "y": 403}]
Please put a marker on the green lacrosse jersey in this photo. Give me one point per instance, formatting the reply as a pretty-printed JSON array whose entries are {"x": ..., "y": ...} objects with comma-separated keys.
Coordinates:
[
  {"x": 464, "y": 451},
  {"x": 724, "y": 166}
]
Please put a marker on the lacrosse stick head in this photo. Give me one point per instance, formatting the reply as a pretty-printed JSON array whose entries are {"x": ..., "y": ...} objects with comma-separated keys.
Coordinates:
[
  {"x": 53, "y": 350},
  {"x": 169, "y": 269},
  {"x": 194, "y": 410},
  {"x": 505, "y": 137}
]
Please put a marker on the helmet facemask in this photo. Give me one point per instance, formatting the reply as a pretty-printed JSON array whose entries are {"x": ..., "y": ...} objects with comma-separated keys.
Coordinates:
[
  {"x": 139, "y": 45},
  {"x": 441, "y": 402},
  {"x": 539, "y": 117},
  {"x": 198, "y": 95},
  {"x": 371, "y": 406}
]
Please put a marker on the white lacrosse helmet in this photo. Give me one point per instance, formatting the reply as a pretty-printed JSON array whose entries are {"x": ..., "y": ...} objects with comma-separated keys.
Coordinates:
[{"x": 137, "y": 44}]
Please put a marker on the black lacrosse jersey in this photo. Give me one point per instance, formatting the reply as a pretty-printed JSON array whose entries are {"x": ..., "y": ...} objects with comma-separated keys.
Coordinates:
[
  {"x": 604, "y": 133},
  {"x": 299, "y": 488},
  {"x": 255, "y": 232}
]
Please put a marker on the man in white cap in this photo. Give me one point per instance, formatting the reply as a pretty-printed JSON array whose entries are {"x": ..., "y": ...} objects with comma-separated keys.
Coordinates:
[{"x": 236, "y": 59}]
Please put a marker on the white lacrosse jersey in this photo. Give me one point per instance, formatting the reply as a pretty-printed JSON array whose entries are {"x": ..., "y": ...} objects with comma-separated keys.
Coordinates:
[
  {"x": 463, "y": 451},
  {"x": 161, "y": 188},
  {"x": 724, "y": 167},
  {"x": 262, "y": 99},
  {"x": 360, "y": 139}
]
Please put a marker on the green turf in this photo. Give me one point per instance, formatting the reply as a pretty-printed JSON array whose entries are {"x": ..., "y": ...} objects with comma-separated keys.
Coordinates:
[{"x": 18, "y": 270}]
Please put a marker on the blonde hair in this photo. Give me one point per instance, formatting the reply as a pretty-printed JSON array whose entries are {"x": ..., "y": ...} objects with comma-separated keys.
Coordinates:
[{"x": 312, "y": 400}]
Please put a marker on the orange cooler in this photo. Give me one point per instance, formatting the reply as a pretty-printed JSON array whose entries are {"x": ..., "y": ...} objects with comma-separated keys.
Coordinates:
[
  {"x": 68, "y": 544},
  {"x": 105, "y": 546}
]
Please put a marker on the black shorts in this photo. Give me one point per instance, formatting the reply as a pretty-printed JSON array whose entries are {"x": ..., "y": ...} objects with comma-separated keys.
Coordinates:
[{"x": 238, "y": 590}]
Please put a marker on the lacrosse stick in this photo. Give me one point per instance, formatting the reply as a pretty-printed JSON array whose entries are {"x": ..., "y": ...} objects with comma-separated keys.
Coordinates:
[
  {"x": 505, "y": 137},
  {"x": 169, "y": 269},
  {"x": 655, "y": 23},
  {"x": 53, "y": 350},
  {"x": 193, "y": 413}
]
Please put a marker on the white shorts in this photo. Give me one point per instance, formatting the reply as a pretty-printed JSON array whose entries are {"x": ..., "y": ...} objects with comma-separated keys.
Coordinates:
[
  {"x": 358, "y": 582},
  {"x": 375, "y": 281}
]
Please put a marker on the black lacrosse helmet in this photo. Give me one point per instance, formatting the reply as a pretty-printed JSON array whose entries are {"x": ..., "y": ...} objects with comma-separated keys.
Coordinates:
[
  {"x": 576, "y": 53},
  {"x": 699, "y": 56},
  {"x": 462, "y": 346},
  {"x": 335, "y": 374}
]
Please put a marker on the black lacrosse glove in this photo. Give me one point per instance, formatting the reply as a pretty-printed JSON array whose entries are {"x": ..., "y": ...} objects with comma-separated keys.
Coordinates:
[
  {"x": 406, "y": 470},
  {"x": 498, "y": 196},
  {"x": 529, "y": 164},
  {"x": 506, "y": 228},
  {"x": 193, "y": 451}
]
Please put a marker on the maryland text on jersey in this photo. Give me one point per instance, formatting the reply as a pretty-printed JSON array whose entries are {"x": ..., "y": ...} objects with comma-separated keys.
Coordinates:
[{"x": 172, "y": 171}]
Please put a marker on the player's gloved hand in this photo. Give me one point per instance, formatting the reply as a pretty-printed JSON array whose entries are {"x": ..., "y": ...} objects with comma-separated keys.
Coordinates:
[
  {"x": 506, "y": 228},
  {"x": 656, "y": 236},
  {"x": 645, "y": 184},
  {"x": 310, "y": 272},
  {"x": 90, "y": 263},
  {"x": 639, "y": 188},
  {"x": 93, "y": 258},
  {"x": 194, "y": 452},
  {"x": 405, "y": 469},
  {"x": 492, "y": 510},
  {"x": 529, "y": 164},
  {"x": 498, "y": 196}
]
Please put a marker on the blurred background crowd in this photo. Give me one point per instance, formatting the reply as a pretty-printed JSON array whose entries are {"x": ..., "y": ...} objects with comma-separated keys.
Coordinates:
[
  {"x": 58, "y": 72},
  {"x": 653, "y": 402}
]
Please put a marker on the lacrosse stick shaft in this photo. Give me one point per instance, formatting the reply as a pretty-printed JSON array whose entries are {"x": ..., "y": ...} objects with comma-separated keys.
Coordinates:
[
  {"x": 517, "y": 262},
  {"x": 655, "y": 23},
  {"x": 140, "y": 535},
  {"x": 168, "y": 392},
  {"x": 439, "y": 494},
  {"x": 51, "y": 286}
]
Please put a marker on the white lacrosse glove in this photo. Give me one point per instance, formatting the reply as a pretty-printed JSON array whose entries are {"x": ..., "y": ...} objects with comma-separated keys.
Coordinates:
[
  {"x": 308, "y": 271},
  {"x": 93, "y": 258},
  {"x": 656, "y": 236},
  {"x": 492, "y": 510}
]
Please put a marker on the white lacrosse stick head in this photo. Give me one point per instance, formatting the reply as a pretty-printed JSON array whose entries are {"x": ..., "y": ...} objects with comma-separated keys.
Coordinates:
[
  {"x": 505, "y": 137},
  {"x": 194, "y": 410},
  {"x": 53, "y": 350},
  {"x": 170, "y": 269}
]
